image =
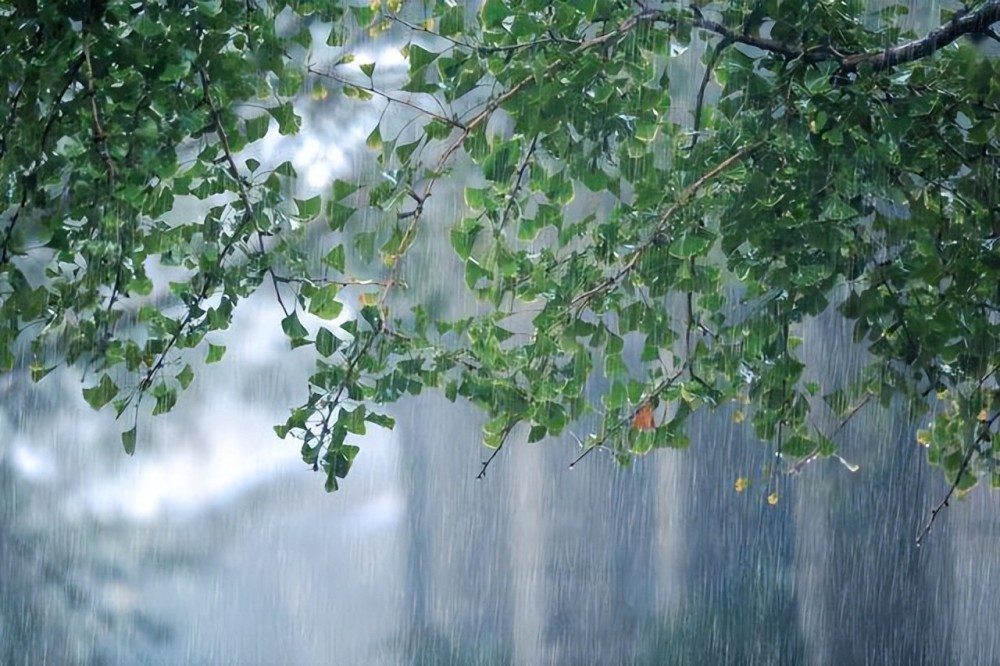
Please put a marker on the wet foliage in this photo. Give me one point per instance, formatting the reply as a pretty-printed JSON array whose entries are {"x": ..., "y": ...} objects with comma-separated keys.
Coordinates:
[{"x": 833, "y": 162}]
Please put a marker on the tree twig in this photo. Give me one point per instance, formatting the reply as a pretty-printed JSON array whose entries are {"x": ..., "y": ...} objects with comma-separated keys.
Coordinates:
[
  {"x": 951, "y": 491},
  {"x": 984, "y": 434},
  {"x": 630, "y": 417},
  {"x": 100, "y": 137},
  {"x": 682, "y": 200},
  {"x": 370, "y": 88},
  {"x": 518, "y": 181},
  {"x": 208, "y": 284},
  {"x": 484, "y": 48},
  {"x": 496, "y": 452},
  {"x": 587, "y": 451},
  {"x": 700, "y": 101}
]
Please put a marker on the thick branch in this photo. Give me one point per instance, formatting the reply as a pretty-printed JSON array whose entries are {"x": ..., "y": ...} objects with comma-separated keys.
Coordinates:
[
  {"x": 978, "y": 21},
  {"x": 769, "y": 45},
  {"x": 975, "y": 22}
]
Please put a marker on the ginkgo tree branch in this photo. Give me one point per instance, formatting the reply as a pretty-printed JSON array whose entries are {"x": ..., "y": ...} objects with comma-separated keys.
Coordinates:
[
  {"x": 700, "y": 100},
  {"x": 100, "y": 135},
  {"x": 984, "y": 435},
  {"x": 978, "y": 21},
  {"x": 609, "y": 283},
  {"x": 630, "y": 417},
  {"x": 210, "y": 281},
  {"x": 486, "y": 113},
  {"x": 971, "y": 23}
]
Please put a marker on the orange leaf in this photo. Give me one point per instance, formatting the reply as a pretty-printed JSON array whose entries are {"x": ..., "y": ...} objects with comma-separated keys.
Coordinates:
[{"x": 643, "y": 419}]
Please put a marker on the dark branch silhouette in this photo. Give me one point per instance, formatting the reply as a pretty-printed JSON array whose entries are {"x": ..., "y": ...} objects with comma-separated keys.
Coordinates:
[
  {"x": 971, "y": 23},
  {"x": 984, "y": 435},
  {"x": 496, "y": 451},
  {"x": 700, "y": 102},
  {"x": 976, "y": 22},
  {"x": 486, "y": 463}
]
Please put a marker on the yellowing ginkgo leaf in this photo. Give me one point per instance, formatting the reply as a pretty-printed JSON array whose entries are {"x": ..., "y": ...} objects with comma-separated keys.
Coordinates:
[
  {"x": 924, "y": 437},
  {"x": 738, "y": 417},
  {"x": 644, "y": 419},
  {"x": 742, "y": 483},
  {"x": 320, "y": 92},
  {"x": 772, "y": 499}
]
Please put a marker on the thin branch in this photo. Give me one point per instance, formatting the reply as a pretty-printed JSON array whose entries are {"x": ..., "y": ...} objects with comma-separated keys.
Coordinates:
[
  {"x": 101, "y": 145},
  {"x": 518, "y": 181},
  {"x": 485, "y": 48},
  {"x": 241, "y": 187},
  {"x": 348, "y": 282},
  {"x": 852, "y": 412},
  {"x": 630, "y": 417},
  {"x": 274, "y": 278},
  {"x": 689, "y": 306},
  {"x": 700, "y": 102},
  {"x": 944, "y": 502},
  {"x": 370, "y": 88},
  {"x": 10, "y": 119},
  {"x": 9, "y": 233},
  {"x": 496, "y": 452},
  {"x": 417, "y": 210},
  {"x": 336, "y": 401},
  {"x": 54, "y": 115},
  {"x": 417, "y": 28},
  {"x": 100, "y": 137},
  {"x": 581, "y": 299},
  {"x": 587, "y": 451},
  {"x": 49, "y": 123},
  {"x": 207, "y": 284},
  {"x": 698, "y": 21},
  {"x": 984, "y": 434},
  {"x": 619, "y": 32},
  {"x": 486, "y": 463}
]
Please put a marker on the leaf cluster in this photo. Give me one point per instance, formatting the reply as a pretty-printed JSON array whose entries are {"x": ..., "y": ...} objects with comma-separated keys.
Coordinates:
[{"x": 636, "y": 259}]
